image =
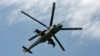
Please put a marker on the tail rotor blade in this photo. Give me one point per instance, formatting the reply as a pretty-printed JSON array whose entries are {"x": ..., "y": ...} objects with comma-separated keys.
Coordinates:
[
  {"x": 52, "y": 14},
  {"x": 34, "y": 19},
  {"x": 59, "y": 43},
  {"x": 71, "y": 29}
]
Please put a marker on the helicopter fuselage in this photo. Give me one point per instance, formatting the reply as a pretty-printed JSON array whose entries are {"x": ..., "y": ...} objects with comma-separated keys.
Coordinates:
[
  {"x": 50, "y": 32},
  {"x": 47, "y": 34}
]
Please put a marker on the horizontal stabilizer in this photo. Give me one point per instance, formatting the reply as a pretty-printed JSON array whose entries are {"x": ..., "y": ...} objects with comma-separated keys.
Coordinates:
[{"x": 26, "y": 50}]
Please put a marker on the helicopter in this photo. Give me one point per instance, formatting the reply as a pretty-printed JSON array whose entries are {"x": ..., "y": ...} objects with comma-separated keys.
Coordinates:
[{"x": 46, "y": 35}]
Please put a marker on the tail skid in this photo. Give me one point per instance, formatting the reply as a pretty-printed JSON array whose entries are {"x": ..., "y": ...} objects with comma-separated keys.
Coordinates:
[{"x": 26, "y": 50}]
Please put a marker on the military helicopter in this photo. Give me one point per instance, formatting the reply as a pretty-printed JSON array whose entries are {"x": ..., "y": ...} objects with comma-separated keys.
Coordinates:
[{"x": 46, "y": 35}]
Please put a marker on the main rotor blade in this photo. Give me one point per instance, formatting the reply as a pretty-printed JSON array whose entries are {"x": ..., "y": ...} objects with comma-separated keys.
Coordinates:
[
  {"x": 33, "y": 37},
  {"x": 34, "y": 19},
  {"x": 52, "y": 14},
  {"x": 59, "y": 43},
  {"x": 71, "y": 29}
]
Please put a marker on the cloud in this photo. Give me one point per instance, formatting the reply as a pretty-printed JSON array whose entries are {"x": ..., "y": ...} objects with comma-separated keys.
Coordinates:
[
  {"x": 83, "y": 14},
  {"x": 93, "y": 30},
  {"x": 26, "y": 5},
  {"x": 78, "y": 13}
]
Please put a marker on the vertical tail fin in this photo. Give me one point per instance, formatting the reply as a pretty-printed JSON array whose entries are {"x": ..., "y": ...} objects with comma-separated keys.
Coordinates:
[{"x": 26, "y": 50}]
